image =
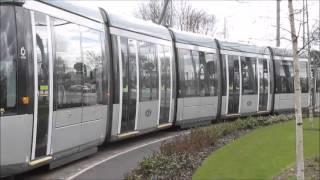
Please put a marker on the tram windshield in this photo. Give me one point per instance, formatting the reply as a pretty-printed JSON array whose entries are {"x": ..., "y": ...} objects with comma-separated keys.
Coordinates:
[{"x": 8, "y": 50}]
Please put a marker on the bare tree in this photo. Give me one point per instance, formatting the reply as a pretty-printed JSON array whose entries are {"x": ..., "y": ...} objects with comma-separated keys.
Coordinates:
[
  {"x": 187, "y": 18},
  {"x": 151, "y": 11},
  {"x": 297, "y": 91}
]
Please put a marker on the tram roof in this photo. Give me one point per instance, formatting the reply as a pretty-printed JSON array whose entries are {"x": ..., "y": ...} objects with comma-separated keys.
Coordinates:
[
  {"x": 139, "y": 26},
  {"x": 194, "y": 39},
  {"x": 231, "y": 46},
  {"x": 75, "y": 9},
  {"x": 127, "y": 23}
]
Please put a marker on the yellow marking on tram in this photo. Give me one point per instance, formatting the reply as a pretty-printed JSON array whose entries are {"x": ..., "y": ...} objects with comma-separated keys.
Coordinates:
[
  {"x": 40, "y": 161},
  {"x": 164, "y": 125},
  {"x": 127, "y": 135}
]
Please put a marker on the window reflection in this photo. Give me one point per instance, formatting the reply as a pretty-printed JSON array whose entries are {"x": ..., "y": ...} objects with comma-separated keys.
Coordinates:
[
  {"x": 149, "y": 80},
  {"x": 197, "y": 73},
  {"x": 284, "y": 76},
  {"x": 92, "y": 67},
  {"x": 69, "y": 66},
  {"x": 224, "y": 75},
  {"x": 249, "y": 75},
  {"x": 318, "y": 80},
  {"x": 211, "y": 74},
  {"x": 304, "y": 77},
  {"x": 8, "y": 49},
  {"x": 165, "y": 88},
  {"x": 189, "y": 74}
]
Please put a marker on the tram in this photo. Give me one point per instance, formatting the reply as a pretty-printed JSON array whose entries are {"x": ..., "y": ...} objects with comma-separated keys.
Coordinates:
[{"x": 72, "y": 79}]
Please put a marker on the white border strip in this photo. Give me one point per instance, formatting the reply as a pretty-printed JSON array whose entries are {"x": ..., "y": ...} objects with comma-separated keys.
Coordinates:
[
  {"x": 35, "y": 99},
  {"x": 245, "y": 54},
  {"x": 136, "y": 36},
  {"x": 138, "y": 85},
  {"x": 171, "y": 83},
  {"x": 159, "y": 79},
  {"x": 240, "y": 79},
  {"x": 227, "y": 78},
  {"x": 120, "y": 84},
  {"x": 195, "y": 48},
  {"x": 50, "y": 54}
]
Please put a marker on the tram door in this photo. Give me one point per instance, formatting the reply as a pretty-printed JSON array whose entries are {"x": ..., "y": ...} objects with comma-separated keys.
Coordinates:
[
  {"x": 129, "y": 84},
  {"x": 263, "y": 84},
  {"x": 234, "y": 84},
  {"x": 42, "y": 86}
]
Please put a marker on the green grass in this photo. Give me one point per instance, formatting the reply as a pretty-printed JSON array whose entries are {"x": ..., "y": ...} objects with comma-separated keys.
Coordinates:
[{"x": 261, "y": 154}]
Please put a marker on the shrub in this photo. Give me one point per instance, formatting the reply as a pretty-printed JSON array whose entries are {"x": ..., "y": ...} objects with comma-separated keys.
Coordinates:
[
  {"x": 161, "y": 166},
  {"x": 192, "y": 143},
  {"x": 181, "y": 154}
]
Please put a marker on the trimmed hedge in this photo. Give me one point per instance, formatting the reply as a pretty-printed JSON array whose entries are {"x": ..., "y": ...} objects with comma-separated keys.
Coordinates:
[{"x": 179, "y": 157}]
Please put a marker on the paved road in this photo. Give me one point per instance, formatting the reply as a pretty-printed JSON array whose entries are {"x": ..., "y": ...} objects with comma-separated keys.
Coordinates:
[
  {"x": 117, "y": 167},
  {"x": 111, "y": 162}
]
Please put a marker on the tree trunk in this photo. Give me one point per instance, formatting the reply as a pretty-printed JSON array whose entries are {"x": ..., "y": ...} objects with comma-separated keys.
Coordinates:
[
  {"x": 297, "y": 91},
  {"x": 311, "y": 95}
]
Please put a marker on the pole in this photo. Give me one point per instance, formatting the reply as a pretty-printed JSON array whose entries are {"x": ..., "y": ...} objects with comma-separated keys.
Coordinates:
[
  {"x": 278, "y": 24},
  {"x": 310, "y": 64},
  {"x": 163, "y": 12},
  {"x": 303, "y": 23},
  {"x": 297, "y": 92}
]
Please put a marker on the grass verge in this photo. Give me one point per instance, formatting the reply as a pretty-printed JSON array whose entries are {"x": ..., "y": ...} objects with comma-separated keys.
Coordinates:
[
  {"x": 181, "y": 156},
  {"x": 262, "y": 154}
]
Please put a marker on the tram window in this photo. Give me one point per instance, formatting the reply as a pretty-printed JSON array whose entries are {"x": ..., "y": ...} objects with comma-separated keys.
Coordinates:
[
  {"x": 196, "y": 66},
  {"x": 284, "y": 76},
  {"x": 115, "y": 53},
  {"x": 211, "y": 73},
  {"x": 304, "y": 77},
  {"x": 92, "y": 67},
  {"x": 189, "y": 73},
  {"x": 203, "y": 77},
  {"x": 167, "y": 77},
  {"x": 69, "y": 65},
  {"x": 181, "y": 91},
  {"x": 224, "y": 75},
  {"x": 148, "y": 71},
  {"x": 165, "y": 88},
  {"x": 8, "y": 49},
  {"x": 192, "y": 73},
  {"x": 249, "y": 75}
]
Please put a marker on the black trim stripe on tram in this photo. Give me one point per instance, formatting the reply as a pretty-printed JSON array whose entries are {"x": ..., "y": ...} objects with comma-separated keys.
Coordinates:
[
  {"x": 176, "y": 75},
  {"x": 218, "y": 116},
  {"x": 273, "y": 80},
  {"x": 109, "y": 56}
]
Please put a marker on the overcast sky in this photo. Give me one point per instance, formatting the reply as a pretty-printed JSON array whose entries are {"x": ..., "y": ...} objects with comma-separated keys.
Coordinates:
[{"x": 248, "y": 21}]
